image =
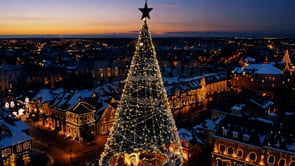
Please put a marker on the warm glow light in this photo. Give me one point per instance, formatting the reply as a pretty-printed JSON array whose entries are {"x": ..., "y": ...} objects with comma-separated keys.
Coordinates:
[
  {"x": 144, "y": 129},
  {"x": 51, "y": 17}
]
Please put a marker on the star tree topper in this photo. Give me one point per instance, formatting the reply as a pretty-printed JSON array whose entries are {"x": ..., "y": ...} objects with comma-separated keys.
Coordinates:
[{"x": 145, "y": 11}]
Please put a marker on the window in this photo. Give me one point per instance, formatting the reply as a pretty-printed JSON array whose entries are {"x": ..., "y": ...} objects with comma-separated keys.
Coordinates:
[
  {"x": 282, "y": 162},
  {"x": 223, "y": 162},
  {"x": 252, "y": 156},
  {"x": 101, "y": 72},
  {"x": 246, "y": 137},
  {"x": 240, "y": 152},
  {"x": 109, "y": 72},
  {"x": 224, "y": 131},
  {"x": 230, "y": 150},
  {"x": 292, "y": 163},
  {"x": 271, "y": 159},
  {"x": 221, "y": 148},
  {"x": 235, "y": 134}
]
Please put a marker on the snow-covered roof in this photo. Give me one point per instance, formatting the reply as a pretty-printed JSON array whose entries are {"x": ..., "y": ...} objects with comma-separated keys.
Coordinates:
[
  {"x": 46, "y": 95},
  {"x": 66, "y": 99},
  {"x": 237, "y": 70},
  {"x": 184, "y": 134},
  {"x": 289, "y": 113},
  {"x": 291, "y": 147},
  {"x": 267, "y": 69},
  {"x": 262, "y": 120},
  {"x": 273, "y": 114},
  {"x": 176, "y": 84},
  {"x": 264, "y": 105},
  {"x": 188, "y": 136},
  {"x": 250, "y": 59},
  {"x": 238, "y": 107},
  {"x": 17, "y": 131},
  {"x": 208, "y": 124},
  {"x": 82, "y": 108}
]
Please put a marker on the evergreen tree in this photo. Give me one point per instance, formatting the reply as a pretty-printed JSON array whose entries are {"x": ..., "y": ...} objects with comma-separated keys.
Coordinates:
[{"x": 144, "y": 131}]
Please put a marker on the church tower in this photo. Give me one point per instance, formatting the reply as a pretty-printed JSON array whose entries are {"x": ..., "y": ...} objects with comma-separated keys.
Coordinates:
[
  {"x": 144, "y": 131},
  {"x": 203, "y": 91}
]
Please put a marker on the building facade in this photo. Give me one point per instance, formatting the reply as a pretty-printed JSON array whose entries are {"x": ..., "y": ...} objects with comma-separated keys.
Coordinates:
[
  {"x": 250, "y": 142},
  {"x": 105, "y": 122},
  {"x": 15, "y": 144},
  {"x": 80, "y": 121}
]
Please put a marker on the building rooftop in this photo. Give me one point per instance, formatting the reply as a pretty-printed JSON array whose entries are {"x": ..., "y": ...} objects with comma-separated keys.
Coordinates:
[
  {"x": 260, "y": 132},
  {"x": 13, "y": 132},
  {"x": 262, "y": 69}
]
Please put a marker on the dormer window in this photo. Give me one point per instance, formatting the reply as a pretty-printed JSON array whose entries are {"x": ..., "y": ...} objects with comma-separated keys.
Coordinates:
[
  {"x": 246, "y": 137},
  {"x": 224, "y": 131},
  {"x": 277, "y": 145},
  {"x": 221, "y": 148},
  {"x": 235, "y": 134}
]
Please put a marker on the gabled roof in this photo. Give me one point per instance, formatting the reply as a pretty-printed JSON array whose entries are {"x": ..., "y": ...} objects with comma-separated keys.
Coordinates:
[
  {"x": 16, "y": 130},
  {"x": 268, "y": 69},
  {"x": 106, "y": 115},
  {"x": 256, "y": 128},
  {"x": 46, "y": 95},
  {"x": 175, "y": 84},
  {"x": 82, "y": 107}
]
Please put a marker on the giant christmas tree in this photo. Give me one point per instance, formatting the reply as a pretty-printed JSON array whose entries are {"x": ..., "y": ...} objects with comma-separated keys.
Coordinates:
[{"x": 144, "y": 131}]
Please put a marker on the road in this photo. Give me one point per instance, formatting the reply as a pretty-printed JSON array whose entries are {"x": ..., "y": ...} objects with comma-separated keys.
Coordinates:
[
  {"x": 194, "y": 116},
  {"x": 62, "y": 149},
  {"x": 70, "y": 152}
]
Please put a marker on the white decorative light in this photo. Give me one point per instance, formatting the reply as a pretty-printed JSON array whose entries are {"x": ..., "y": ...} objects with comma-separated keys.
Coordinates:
[
  {"x": 12, "y": 104},
  {"x": 6, "y": 105},
  {"x": 27, "y": 100},
  {"x": 144, "y": 130}
]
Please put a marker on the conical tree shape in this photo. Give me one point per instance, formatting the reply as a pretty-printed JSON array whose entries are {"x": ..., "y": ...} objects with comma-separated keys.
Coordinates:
[
  {"x": 144, "y": 131},
  {"x": 288, "y": 62}
]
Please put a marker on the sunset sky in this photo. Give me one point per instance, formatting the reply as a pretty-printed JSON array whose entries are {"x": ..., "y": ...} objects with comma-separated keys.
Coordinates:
[{"x": 122, "y": 16}]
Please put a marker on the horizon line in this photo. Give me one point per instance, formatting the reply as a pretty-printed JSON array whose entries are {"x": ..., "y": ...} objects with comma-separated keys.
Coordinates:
[{"x": 134, "y": 34}]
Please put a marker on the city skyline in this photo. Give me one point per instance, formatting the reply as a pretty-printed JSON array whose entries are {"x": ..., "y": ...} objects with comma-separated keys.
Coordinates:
[{"x": 93, "y": 17}]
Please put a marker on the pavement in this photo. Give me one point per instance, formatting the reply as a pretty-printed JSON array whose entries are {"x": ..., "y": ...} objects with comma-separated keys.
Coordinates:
[
  {"x": 41, "y": 158},
  {"x": 63, "y": 151}
]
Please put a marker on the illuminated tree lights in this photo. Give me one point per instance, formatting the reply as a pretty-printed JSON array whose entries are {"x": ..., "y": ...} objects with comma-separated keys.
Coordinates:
[{"x": 144, "y": 131}]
